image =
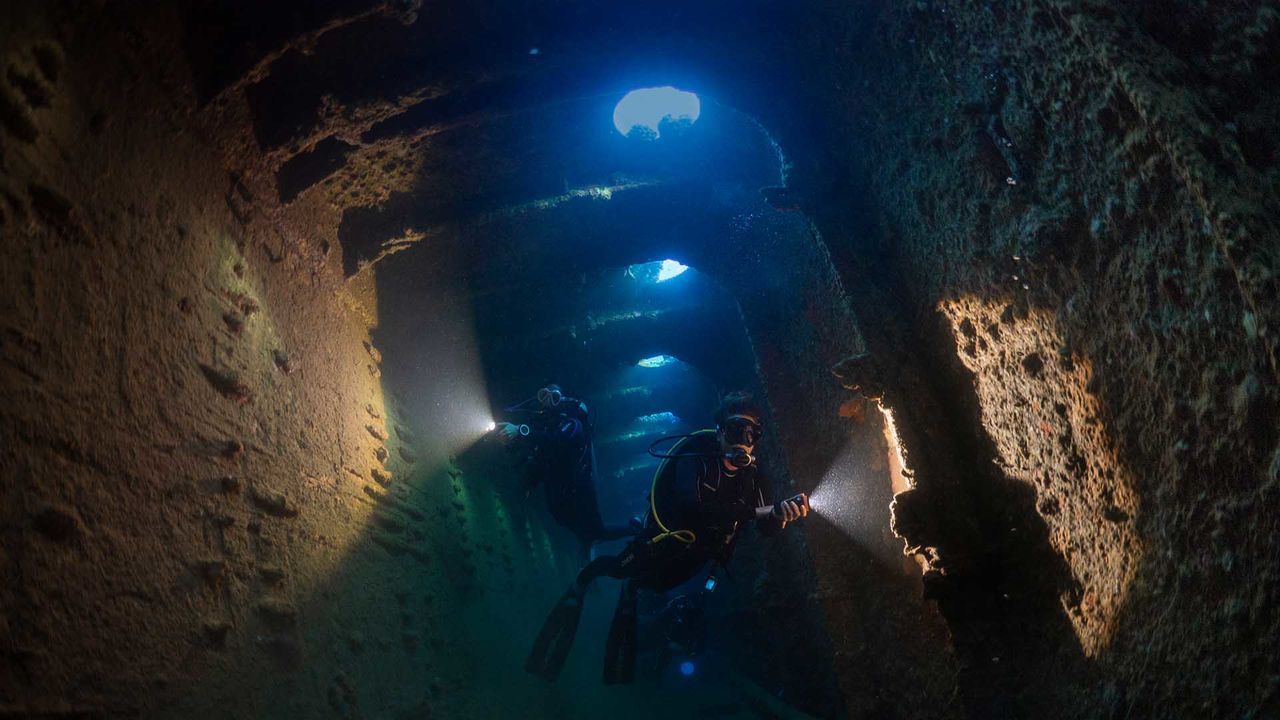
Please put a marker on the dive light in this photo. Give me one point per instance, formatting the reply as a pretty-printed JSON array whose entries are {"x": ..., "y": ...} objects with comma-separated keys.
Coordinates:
[{"x": 799, "y": 498}]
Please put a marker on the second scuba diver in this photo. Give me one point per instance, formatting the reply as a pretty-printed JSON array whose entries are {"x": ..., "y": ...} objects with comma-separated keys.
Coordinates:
[
  {"x": 706, "y": 488},
  {"x": 554, "y": 442}
]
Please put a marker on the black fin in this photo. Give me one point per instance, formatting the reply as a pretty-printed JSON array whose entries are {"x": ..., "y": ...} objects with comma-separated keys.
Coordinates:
[
  {"x": 551, "y": 649},
  {"x": 620, "y": 651}
]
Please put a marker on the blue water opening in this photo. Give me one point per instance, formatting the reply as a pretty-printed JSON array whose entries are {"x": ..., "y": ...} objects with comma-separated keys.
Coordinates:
[
  {"x": 687, "y": 668},
  {"x": 656, "y": 361},
  {"x": 657, "y": 271},
  {"x": 648, "y": 107},
  {"x": 670, "y": 269}
]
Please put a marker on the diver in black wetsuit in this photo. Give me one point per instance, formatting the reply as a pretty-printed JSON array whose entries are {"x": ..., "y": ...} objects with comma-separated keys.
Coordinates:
[
  {"x": 705, "y": 490},
  {"x": 554, "y": 442}
]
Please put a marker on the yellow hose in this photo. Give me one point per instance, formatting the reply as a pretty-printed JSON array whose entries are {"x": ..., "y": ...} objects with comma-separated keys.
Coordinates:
[{"x": 685, "y": 536}]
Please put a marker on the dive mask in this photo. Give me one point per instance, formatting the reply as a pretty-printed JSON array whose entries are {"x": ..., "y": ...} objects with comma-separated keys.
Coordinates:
[
  {"x": 550, "y": 397},
  {"x": 742, "y": 430}
]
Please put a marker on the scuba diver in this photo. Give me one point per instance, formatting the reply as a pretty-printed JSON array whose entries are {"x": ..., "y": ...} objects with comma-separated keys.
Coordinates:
[
  {"x": 555, "y": 445},
  {"x": 706, "y": 488}
]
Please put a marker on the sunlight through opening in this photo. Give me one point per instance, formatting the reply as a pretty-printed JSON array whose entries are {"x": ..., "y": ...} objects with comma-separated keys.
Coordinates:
[
  {"x": 670, "y": 269},
  {"x": 649, "y": 107},
  {"x": 656, "y": 361}
]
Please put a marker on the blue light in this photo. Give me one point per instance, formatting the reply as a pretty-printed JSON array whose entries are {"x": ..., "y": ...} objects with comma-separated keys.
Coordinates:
[
  {"x": 687, "y": 667},
  {"x": 656, "y": 271},
  {"x": 648, "y": 107},
  {"x": 656, "y": 361},
  {"x": 670, "y": 269}
]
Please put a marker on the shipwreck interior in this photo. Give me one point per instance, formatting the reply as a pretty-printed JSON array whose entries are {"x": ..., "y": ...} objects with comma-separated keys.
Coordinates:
[{"x": 1004, "y": 277}]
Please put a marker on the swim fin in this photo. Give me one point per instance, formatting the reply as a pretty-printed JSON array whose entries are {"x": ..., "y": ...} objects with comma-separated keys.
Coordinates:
[
  {"x": 551, "y": 649},
  {"x": 620, "y": 650}
]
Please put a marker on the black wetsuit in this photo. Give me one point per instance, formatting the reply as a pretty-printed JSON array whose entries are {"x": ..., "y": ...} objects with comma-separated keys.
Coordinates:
[
  {"x": 702, "y": 505},
  {"x": 697, "y": 494},
  {"x": 559, "y": 456}
]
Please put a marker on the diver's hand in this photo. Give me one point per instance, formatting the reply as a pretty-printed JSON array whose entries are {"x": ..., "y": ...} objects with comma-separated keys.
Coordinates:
[
  {"x": 792, "y": 509},
  {"x": 507, "y": 432}
]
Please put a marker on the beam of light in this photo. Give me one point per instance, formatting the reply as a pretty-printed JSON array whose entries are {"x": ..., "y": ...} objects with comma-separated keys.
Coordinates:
[
  {"x": 595, "y": 192},
  {"x": 625, "y": 436},
  {"x": 641, "y": 390},
  {"x": 662, "y": 418},
  {"x": 458, "y": 417},
  {"x": 670, "y": 269},
  {"x": 646, "y": 463},
  {"x": 656, "y": 361},
  {"x": 442, "y": 386},
  {"x": 854, "y": 496},
  {"x": 648, "y": 107}
]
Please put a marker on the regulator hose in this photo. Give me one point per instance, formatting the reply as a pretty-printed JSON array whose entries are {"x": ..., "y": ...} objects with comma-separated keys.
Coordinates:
[{"x": 685, "y": 536}]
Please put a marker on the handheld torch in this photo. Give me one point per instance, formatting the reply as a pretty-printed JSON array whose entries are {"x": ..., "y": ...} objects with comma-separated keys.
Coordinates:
[{"x": 800, "y": 499}]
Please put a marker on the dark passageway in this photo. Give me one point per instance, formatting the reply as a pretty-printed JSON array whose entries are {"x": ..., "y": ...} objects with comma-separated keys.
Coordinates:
[{"x": 1002, "y": 277}]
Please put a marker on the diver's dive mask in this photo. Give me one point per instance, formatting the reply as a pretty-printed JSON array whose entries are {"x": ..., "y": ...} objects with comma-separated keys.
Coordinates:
[
  {"x": 741, "y": 432},
  {"x": 550, "y": 396}
]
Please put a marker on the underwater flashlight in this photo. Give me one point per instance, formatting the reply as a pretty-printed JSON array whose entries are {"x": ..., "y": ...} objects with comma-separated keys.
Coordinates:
[
  {"x": 492, "y": 426},
  {"x": 799, "y": 499}
]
